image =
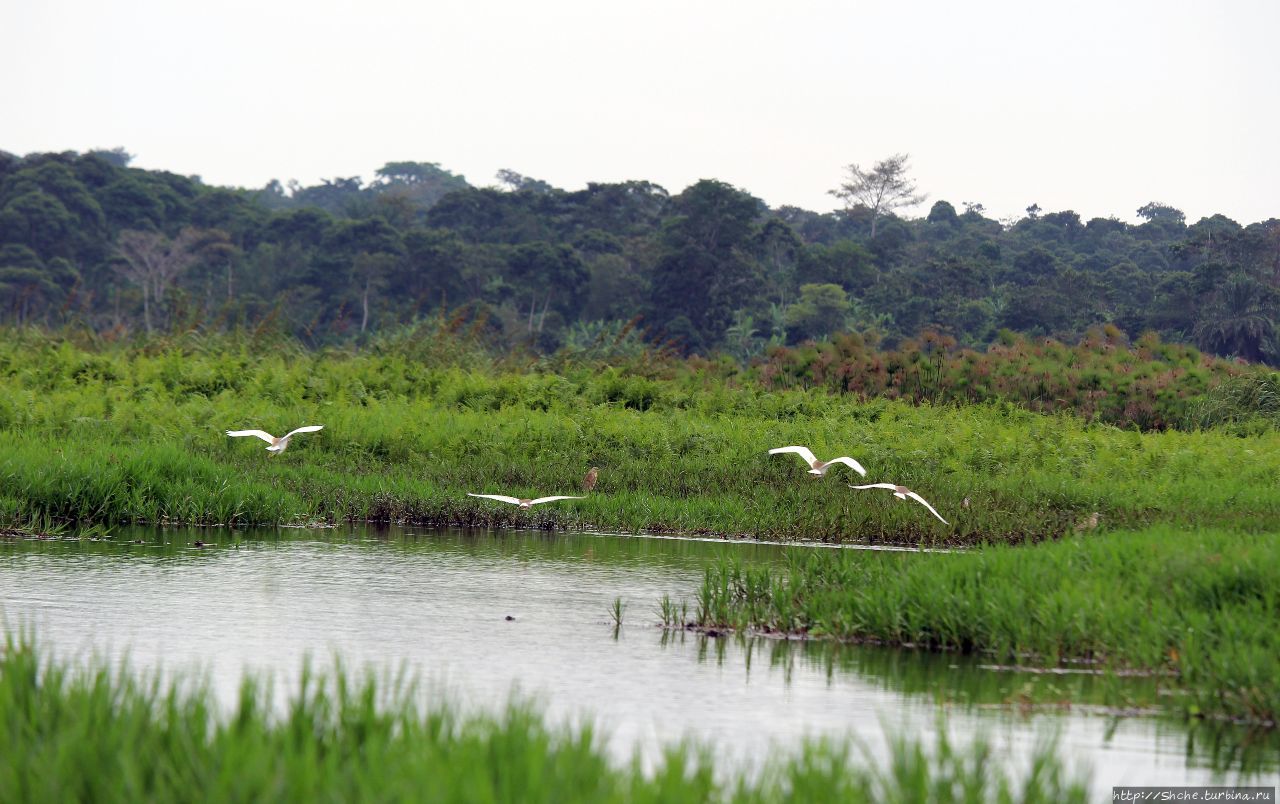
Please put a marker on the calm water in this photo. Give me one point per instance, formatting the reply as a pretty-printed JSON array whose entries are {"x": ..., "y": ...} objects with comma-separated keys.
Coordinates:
[{"x": 436, "y": 602}]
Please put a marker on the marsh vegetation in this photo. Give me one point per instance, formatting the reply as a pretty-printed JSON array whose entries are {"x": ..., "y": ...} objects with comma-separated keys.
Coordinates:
[
  {"x": 104, "y": 435},
  {"x": 1145, "y": 548},
  {"x": 1197, "y": 609}
]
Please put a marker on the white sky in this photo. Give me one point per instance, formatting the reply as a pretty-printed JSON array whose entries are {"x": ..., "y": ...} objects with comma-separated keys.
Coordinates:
[{"x": 1097, "y": 106}]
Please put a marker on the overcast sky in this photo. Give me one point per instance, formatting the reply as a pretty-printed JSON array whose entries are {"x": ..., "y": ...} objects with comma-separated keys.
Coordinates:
[{"x": 1093, "y": 106}]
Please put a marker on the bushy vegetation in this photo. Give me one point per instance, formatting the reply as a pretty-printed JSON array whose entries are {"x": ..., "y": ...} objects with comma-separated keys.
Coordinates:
[
  {"x": 1151, "y": 385},
  {"x": 1246, "y": 404},
  {"x": 116, "y": 435},
  {"x": 94, "y": 734},
  {"x": 1198, "y": 606},
  {"x": 84, "y": 238}
]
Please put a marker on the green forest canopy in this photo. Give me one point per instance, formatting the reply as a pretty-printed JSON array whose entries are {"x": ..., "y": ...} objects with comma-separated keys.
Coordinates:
[{"x": 86, "y": 239}]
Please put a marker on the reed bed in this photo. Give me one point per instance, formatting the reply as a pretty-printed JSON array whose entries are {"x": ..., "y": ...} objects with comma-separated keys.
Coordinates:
[
  {"x": 1196, "y": 608},
  {"x": 131, "y": 436},
  {"x": 96, "y": 734}
]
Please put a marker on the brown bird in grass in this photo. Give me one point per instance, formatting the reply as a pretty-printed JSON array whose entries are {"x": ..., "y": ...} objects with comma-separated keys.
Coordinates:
[
  {"x": 817, "y": 467},
  {"x": 1089, "y": 524},
  {"x": 523, "y": 503},
  {"x": 589, "y": 482}
]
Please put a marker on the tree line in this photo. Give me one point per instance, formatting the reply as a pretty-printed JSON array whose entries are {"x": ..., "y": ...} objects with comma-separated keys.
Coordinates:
[{"x": 86, "y": 239}]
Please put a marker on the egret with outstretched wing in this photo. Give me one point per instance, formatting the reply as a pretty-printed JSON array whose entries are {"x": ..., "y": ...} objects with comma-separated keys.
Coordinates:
[
  {"x": 276, "y": 445},
  {"x": 817, "y": 467},
  {"x": 524, "y": 503},
  {"x": 902, "y": 493}
]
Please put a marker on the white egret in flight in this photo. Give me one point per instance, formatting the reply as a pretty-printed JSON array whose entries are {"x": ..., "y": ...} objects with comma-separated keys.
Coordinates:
[
  {"x": 817, "y": 467},
  {"x": 902, "y": 493},
  {"x": 277, "y": 445},
  {"x": 523, "y": 503}
]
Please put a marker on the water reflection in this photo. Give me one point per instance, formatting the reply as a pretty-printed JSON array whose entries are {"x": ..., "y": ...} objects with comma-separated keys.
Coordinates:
[
  {"x": 960, "y": 683},
  {"x": 482, "y": 613}
]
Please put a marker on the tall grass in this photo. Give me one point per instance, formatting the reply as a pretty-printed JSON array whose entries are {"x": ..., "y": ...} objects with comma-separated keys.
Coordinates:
[
  {"x": 1246, "y": 404},
  {"x": 120, "y": 436},
  {"x": 1200, "y": 608},
  {"x": 98, "y": 735}
]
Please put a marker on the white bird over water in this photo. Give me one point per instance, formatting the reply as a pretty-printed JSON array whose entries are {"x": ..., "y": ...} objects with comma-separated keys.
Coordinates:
[
  {"x": 277, "y": 445},
  {"x": 902, "y": 493},
  {"x": 521, "y": 502},
  {"x": 817, "y": 467}
]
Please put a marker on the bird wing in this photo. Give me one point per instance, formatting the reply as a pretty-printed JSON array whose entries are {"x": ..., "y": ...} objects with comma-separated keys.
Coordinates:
[
  {"x": 267, "y": 437},
  {"x": 875, "y": 486},
  {"x": 857, "y": 467},
  {"x": 498, "y": 497},
  {"x": 926, "y": 504},
  {"x": 310, "y": 428},
  {"x": 803, "y": 452},
  {"x": 553, "y": 499}
]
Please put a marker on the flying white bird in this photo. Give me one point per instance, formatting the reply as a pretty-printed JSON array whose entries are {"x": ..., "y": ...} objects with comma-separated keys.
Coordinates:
[
  {"x": 818, "y": 467},
  {"x": 902, "y": 493},
  {"x": 523, "y": 503},
  {"x": 278, "y": 445}
]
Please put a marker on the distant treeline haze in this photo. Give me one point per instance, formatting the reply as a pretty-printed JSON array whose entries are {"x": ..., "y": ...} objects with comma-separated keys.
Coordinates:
[{"x": 87, "y": 240}]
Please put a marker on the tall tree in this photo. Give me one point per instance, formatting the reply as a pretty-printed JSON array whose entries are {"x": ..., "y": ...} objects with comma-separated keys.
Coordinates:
[
  {"x": 423, "y": 183},
  {"x": 153, "y": 261},
  {"x": 363, "y": 253},
  {"x": 821, "y": 310},
  {"x": 542, "y": 272},
  {"x": 1239, "y": 319},
  {"x": 779, "y": 250},
  {"x": 517, "y": 182},
  {"x": 706, "y": 270},
  {"x": 26, "y": 284},
  {"x": 882, "y": 189},
  {"x": 371, "y": 272}
]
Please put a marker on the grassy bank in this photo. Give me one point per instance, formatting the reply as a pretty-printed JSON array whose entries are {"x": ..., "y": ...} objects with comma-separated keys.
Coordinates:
[
  {"x": 96, "y": 735},
  {"x": 114, "y": 436},
  {"x": 1200, "y": 608}
]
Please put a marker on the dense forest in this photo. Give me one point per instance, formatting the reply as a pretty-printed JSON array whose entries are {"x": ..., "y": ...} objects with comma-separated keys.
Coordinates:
[{"x": 87, "y": 240}]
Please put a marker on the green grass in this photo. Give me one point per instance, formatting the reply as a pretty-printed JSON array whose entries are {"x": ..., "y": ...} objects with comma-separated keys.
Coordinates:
[
  {"x": 1199, "y": 608},
  {"x": 115, "y": 436},
  {"x": 91, "y": 734}
]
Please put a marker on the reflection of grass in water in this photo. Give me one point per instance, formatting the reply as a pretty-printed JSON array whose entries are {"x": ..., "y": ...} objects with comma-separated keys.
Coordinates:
[
  {"x": 957, "y": 679},
  {"x": 560, "y": 547},
  {"x": 117, "y": 437},
  {"x": 104, "y": 736},
  {"x": 1199, "y": 608},
  {"x": 946, "y": 677}
]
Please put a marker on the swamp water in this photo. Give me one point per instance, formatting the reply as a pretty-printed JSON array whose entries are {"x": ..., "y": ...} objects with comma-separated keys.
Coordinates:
[{"x": 435, "y": 603}]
